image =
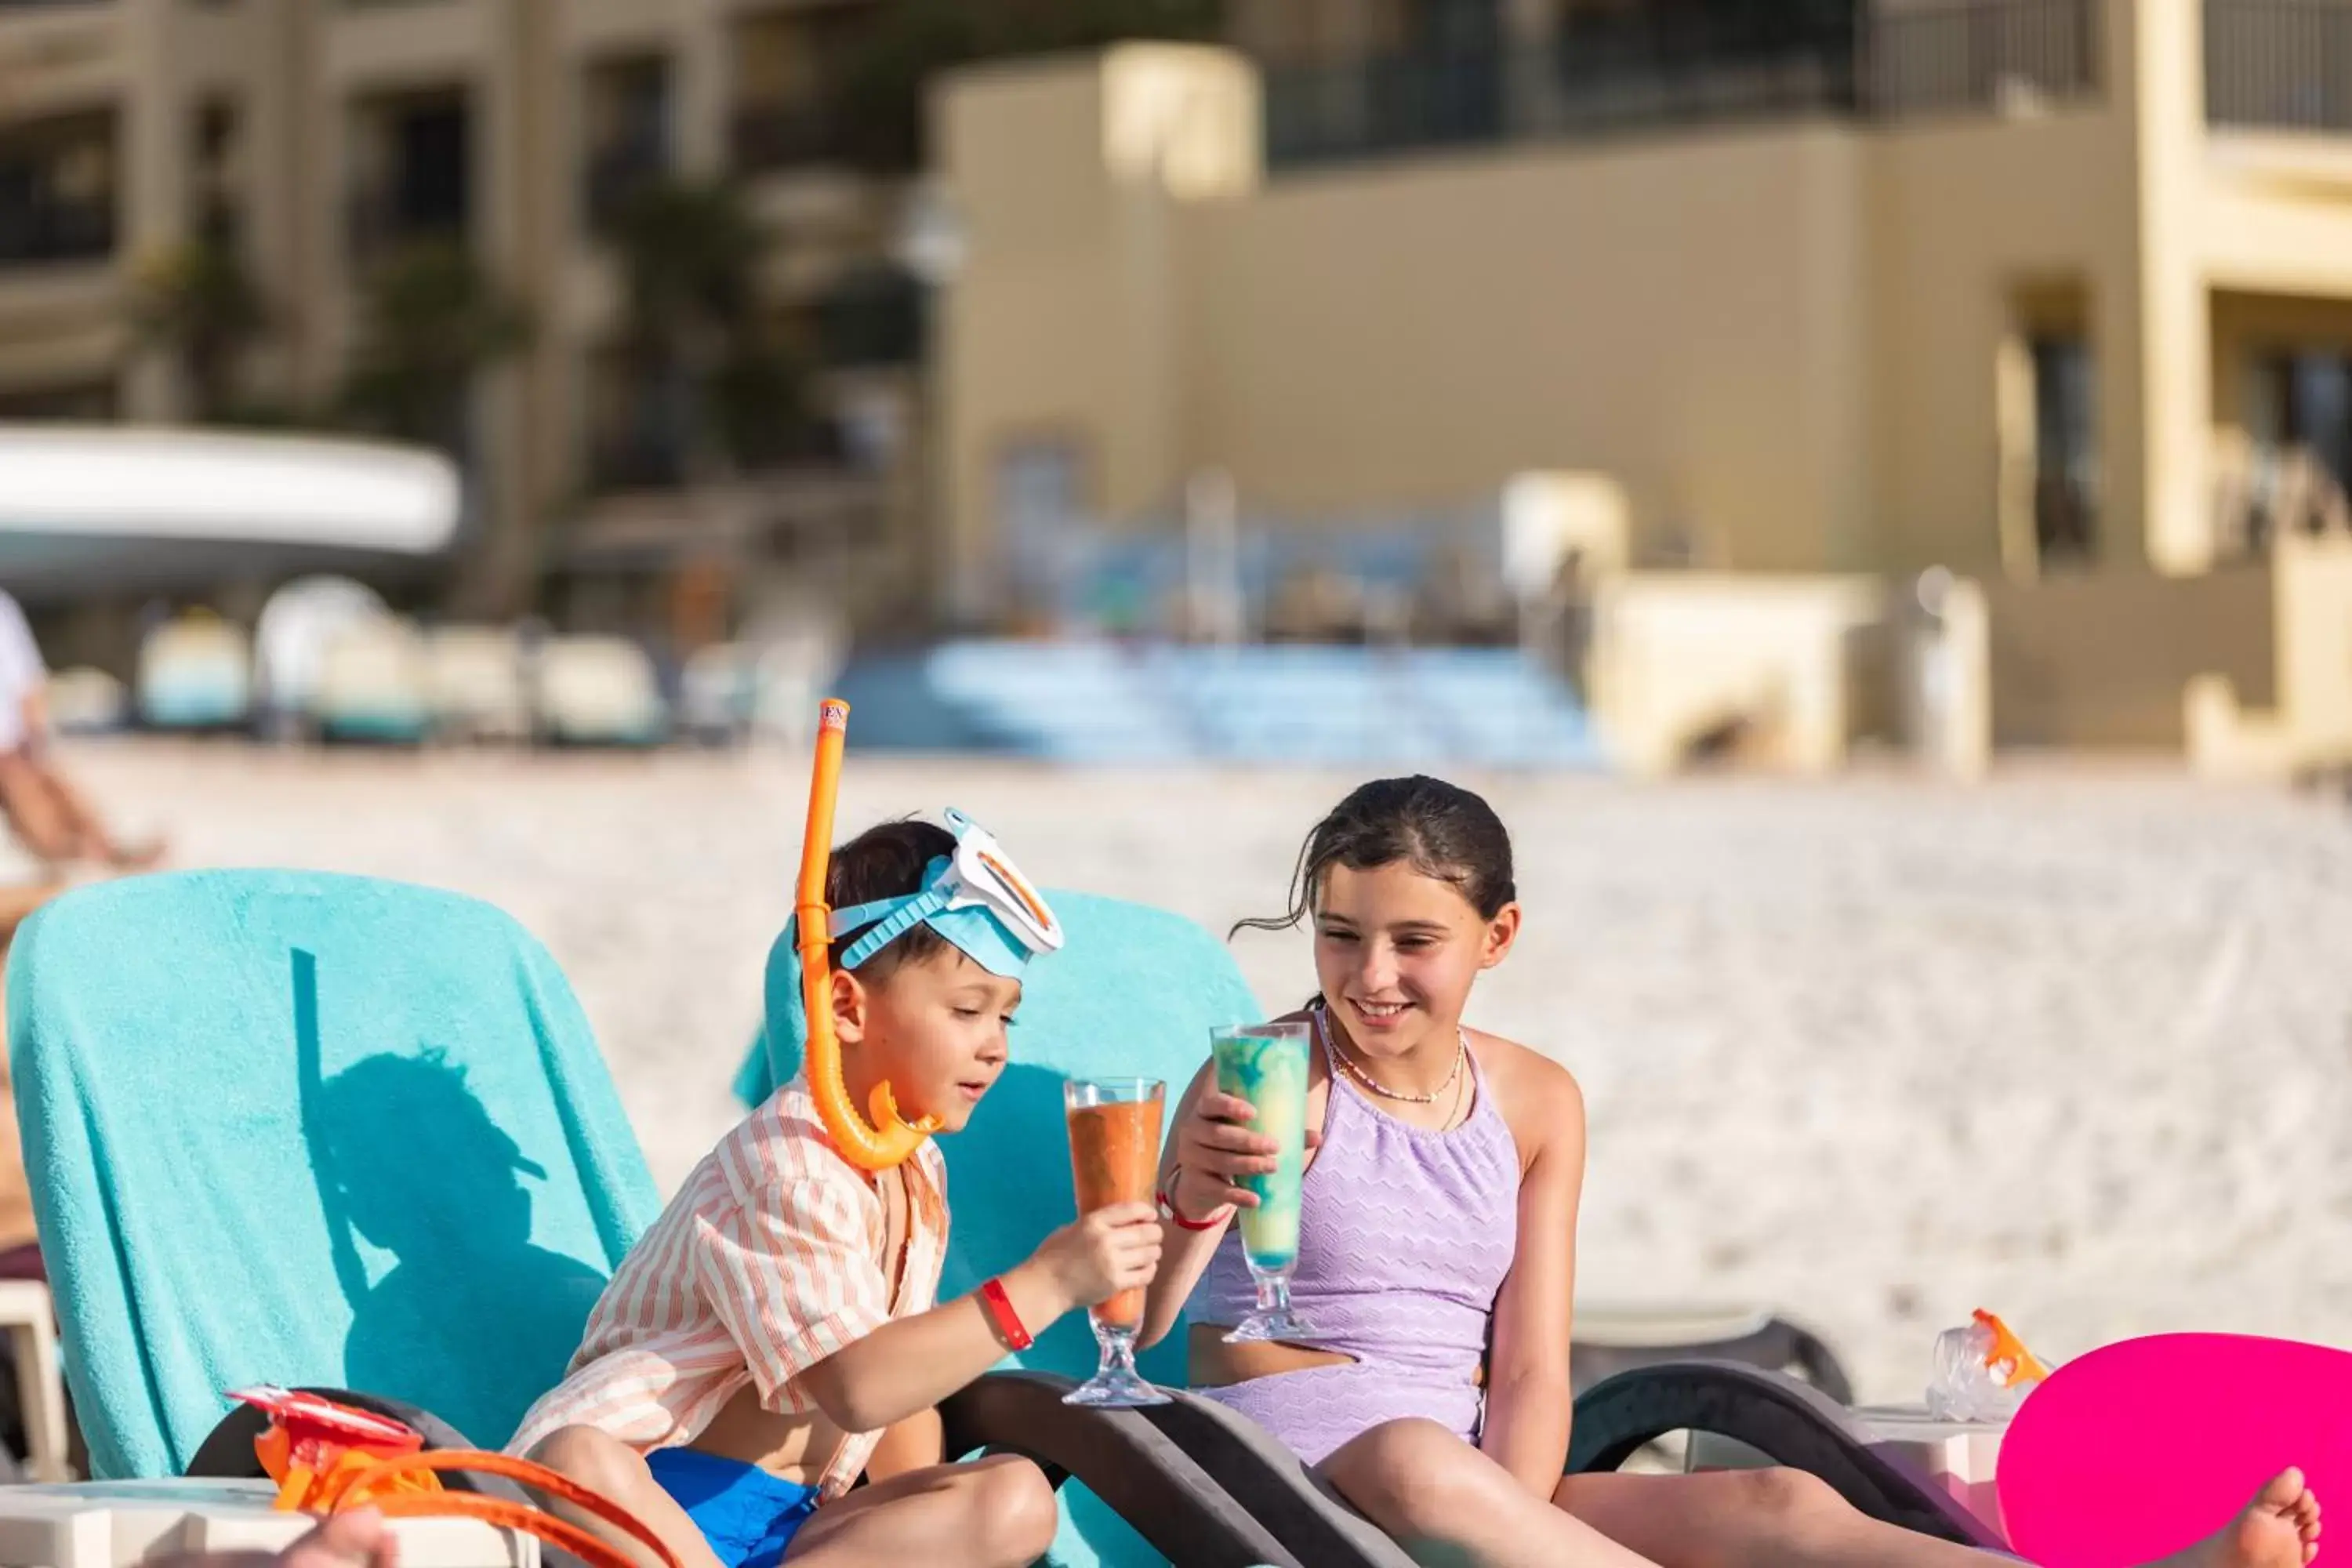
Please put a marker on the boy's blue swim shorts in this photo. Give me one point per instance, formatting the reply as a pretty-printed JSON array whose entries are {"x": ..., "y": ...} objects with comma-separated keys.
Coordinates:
[{"x": 748, "y": 1515}]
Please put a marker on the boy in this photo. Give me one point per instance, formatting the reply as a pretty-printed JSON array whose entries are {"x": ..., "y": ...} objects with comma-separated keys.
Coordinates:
[{"x": 775, "y": 1334}]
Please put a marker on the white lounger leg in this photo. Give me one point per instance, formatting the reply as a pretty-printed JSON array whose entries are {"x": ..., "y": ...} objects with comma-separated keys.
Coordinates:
[{"x": 29, "y": 1316}]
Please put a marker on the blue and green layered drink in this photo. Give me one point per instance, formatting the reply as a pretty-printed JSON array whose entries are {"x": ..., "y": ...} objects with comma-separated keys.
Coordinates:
[{"x": 1266, "y": 1064}]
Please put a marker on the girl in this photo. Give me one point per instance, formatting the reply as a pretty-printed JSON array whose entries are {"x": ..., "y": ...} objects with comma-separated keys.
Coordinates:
[{"x": 1437, "y": 1251}]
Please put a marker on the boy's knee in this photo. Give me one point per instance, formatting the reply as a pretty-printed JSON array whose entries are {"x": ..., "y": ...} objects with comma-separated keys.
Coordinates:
[
  {"x": 593, "y": 1458},
  {"x": 1014, "y": 1511}
]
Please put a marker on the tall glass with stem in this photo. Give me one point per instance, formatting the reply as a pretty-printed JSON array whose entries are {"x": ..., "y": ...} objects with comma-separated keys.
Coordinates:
[
  {"x": 1115, "y": 1159},
  {"x": 1266, "y": 1064}
]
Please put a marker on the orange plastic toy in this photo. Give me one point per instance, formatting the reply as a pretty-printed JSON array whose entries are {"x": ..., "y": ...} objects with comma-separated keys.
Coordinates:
[
  {"x": 314, "y": 1449},
  {"x": 2008, "y": 1351},
  {"x": 891, "y": 1139},
  {"x": 330, "y": 1458}
]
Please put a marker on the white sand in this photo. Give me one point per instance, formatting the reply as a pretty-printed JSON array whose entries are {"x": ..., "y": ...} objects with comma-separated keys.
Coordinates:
[{"x": 2073, "y": 1045}]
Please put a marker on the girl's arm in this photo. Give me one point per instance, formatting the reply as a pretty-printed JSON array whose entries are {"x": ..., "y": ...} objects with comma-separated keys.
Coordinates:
[
  {"x": 1183, "y": 1254},
  {"x": 1210, "y": 1140},
  {"x": 1528, "y": 1400}
]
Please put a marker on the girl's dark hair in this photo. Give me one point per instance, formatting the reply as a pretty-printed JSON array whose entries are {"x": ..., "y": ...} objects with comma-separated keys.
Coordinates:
[
  {"x": 887, "y": 861},
  {"x": 1439, "y": 829}
]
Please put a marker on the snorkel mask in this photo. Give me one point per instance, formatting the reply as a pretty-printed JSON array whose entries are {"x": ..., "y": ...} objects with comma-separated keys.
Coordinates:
[{"x": 974, "y": 899}]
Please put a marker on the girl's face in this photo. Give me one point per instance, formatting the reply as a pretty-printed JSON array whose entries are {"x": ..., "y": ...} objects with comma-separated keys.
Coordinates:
[{"x": 1396, "y": 951}]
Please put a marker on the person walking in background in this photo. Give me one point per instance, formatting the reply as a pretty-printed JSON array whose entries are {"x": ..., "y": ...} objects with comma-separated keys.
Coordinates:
[{"x": 48, "y": 814}]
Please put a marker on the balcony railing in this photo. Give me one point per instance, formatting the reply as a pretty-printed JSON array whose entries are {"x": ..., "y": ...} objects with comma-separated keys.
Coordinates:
[
  {"x": 1961, "y": 59},
  {"x": 2279, "y": 64},
  {"x": 1607, "y": 72}
]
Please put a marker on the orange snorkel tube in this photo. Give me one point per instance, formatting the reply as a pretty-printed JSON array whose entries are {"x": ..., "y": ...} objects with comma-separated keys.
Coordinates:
[{"x": 889, "y": 1140}]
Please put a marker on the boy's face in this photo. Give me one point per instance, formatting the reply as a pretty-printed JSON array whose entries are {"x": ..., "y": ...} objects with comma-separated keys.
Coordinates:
[{"x": 934, "y": 1028}]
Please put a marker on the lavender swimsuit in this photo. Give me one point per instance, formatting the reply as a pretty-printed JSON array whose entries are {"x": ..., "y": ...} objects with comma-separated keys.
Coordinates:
[{"x": 1404, "y": 1237}]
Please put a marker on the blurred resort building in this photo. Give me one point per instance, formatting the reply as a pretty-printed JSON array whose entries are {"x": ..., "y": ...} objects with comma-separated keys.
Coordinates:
[
  {"x": 2054, "y": 295},
  {"x": 304, "y": 142},
  {"x": 1704, "y": 326}
]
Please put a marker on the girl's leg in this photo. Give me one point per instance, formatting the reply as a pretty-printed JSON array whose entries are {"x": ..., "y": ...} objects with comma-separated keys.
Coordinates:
[
  {"x": 1770, "y": 1519},
  {"x": 604, "y": 1464},
  {"x": 1786, "y": 1519},
  {"x": 1450, "y": 1505},
  {"x": 996, "y": 1512}
]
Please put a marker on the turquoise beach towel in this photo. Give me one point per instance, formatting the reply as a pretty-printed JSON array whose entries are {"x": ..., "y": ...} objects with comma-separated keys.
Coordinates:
[
  {"x": 1134, "y": 992},
  {"x": 295, "y": 1128}
]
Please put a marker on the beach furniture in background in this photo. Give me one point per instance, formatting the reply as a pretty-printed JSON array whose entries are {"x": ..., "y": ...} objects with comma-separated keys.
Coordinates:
[
  {"x": 374, "y": 682},
  {"x": 475, "y": 685},
  {"x": 195, "y": 672},
  {"x": 598, "y": 691}
]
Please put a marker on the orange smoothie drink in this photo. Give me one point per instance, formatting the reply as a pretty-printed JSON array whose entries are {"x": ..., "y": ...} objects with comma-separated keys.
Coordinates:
[{"x": 1115, "y": 1159}]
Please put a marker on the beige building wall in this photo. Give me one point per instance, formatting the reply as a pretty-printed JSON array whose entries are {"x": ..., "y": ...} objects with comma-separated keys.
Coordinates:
[
  {"x": 1417, "y": 335},
  {"x": 1785, "y": 341},
  {"x": 1068, "y": 322}
]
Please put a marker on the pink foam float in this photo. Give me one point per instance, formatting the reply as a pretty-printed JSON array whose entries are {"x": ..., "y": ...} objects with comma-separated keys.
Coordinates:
[{"x": 2143, "y": 1449}]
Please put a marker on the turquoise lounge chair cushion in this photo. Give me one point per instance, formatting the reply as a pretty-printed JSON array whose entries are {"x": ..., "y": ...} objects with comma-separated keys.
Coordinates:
[
  {"x": 1134, "y": 993},
  {"x": 296, "y": 1128}
]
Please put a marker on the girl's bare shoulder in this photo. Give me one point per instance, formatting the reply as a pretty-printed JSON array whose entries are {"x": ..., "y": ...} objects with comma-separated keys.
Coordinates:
[{"x": 1540, "y": 1098}]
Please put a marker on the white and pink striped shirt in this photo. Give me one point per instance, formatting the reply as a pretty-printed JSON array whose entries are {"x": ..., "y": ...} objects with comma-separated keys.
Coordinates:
[{"x": 769, "y": 1258}]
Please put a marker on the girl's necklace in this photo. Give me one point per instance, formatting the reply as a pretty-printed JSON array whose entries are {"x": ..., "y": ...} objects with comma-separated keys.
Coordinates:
[{"x": 1325, "y": 1034}]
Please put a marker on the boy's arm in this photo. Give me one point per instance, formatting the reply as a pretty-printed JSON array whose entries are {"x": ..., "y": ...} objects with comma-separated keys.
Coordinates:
[
  {"x": 788, "y": 1268},
  {"x": 909, "y": 1364}
]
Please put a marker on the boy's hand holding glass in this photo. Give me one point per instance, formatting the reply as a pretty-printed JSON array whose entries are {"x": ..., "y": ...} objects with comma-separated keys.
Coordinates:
[{"x": 1099, "y": 1255}]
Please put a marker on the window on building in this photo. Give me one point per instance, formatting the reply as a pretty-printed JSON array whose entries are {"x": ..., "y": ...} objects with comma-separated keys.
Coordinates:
[
  {"x": 57, "y": 189},
  {"x": 2066, "y": 452},
  {"x": 627, "y": 103},
  {"x": 217, "y": 144},
  {"x": 413, "y": 178}
]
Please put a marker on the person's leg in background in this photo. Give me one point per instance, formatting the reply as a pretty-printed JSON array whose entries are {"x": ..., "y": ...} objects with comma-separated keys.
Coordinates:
[{"x": 55, "y": 821}]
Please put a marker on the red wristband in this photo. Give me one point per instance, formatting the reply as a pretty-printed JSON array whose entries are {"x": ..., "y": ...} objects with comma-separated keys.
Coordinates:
[
  {"x": 1168, "y": 1210},
  {"x": 1000, "y": 1308}
]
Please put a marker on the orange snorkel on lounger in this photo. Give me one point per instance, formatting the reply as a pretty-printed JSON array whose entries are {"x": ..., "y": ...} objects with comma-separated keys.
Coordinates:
[{"x": 973, "y": 898}]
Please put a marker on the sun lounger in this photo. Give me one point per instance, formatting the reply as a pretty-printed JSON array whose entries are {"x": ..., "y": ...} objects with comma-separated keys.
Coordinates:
[
  {"x": 1612, "y": 1339},
  {"x": 290, "y": 642},
  {"x": 87, "y": 702},
  {"x": 474, "y": 684},
  {"x": 1785, "y": 1421},
  {"x": 344, "y": 1135},
  {"x": 194, "y": 673},
  {"x": 598, "y": 691},
  {"x": 374, "y": 682}
]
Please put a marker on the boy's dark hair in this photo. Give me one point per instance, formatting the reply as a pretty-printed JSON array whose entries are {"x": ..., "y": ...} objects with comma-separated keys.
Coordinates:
[
  {"x": 887, "y": 861},
  {"x": 1439, "y": 829}
]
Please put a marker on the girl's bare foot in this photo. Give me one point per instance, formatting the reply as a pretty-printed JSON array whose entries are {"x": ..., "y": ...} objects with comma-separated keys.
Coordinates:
[{"x": 2280, "y": 1529}]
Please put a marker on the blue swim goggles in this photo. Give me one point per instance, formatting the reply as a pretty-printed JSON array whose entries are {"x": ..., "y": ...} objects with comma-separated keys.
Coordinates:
[{"x": 976, "y": 899}]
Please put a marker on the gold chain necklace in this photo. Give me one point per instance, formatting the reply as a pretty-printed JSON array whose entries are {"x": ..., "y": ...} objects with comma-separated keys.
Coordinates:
[{"x": 1325, "y": 1033}]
